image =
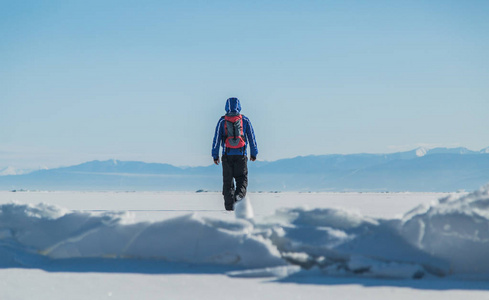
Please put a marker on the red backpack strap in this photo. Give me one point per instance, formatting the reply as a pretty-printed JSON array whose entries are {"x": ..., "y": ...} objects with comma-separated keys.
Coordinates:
[{"x": 225, "y": 127}]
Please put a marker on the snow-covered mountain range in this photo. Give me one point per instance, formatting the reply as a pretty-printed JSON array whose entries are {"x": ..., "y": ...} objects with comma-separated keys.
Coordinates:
[
  {"x": 15, "y": 171},
  {"x": 439, "y": 169}
]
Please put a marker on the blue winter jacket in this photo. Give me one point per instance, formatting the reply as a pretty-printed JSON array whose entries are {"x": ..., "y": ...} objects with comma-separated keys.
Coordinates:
[{"x": 233, "y": 107}]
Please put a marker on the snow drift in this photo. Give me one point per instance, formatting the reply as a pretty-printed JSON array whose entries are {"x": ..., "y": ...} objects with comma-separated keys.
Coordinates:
[
  {"x": 455, "y": 229},
  {"x": 448, "y": 237},
  {"x": 56, "y": 233}
]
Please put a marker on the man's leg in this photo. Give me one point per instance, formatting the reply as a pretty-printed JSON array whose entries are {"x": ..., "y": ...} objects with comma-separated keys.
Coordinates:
[
  {"x": 240, "y": 173},
  {"x": 228, "y": 183}
]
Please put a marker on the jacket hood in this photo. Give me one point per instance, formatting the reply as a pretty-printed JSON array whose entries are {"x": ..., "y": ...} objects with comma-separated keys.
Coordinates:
[{"x": 233, "y": 105}]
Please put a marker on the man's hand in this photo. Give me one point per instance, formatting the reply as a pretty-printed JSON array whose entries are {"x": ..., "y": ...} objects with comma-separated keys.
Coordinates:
[
  {"x": 252, "y": 158},
  {"x": 216, "y": 161}
]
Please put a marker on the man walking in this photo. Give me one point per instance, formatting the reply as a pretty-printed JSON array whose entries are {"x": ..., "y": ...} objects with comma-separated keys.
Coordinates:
[{"x": 234, "y": 132}]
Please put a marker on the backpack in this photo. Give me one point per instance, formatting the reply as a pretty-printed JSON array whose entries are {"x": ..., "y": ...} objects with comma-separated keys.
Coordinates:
[{"x": 233, "y": 132}]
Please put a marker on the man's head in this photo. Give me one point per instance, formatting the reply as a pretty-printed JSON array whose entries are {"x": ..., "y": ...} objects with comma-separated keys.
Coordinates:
[{"x": 233, "y": 106}]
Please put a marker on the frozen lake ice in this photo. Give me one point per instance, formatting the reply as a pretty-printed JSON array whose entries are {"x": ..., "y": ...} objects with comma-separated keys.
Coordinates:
[{"x": 130, "y": 279}]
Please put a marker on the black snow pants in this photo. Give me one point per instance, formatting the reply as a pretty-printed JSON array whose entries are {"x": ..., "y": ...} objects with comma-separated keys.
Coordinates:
[{"x": 234, "y": 167}]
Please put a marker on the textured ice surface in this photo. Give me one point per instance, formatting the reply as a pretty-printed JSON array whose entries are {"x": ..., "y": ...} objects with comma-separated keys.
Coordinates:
[{"x": 450, "y": 236}]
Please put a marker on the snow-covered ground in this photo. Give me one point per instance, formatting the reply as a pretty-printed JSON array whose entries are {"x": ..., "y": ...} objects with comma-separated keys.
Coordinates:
[{"x": 82, "y": 245}]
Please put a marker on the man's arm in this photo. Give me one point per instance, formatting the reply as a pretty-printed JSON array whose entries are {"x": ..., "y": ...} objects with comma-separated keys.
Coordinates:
[
  {"x": 216, "y": 143},
  {"x": 250, "y": 134}
]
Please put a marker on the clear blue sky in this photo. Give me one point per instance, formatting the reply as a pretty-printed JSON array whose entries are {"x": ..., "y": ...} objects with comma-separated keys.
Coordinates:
[{"x": 148, "y": 80}]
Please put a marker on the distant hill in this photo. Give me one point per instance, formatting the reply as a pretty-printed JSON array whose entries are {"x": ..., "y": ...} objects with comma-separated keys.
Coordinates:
[{"x": 428, "y": 170}]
